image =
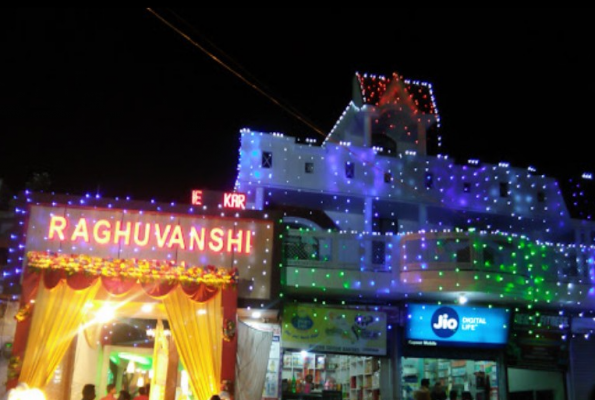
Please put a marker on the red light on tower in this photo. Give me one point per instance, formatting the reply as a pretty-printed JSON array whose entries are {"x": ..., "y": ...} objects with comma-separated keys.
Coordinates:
[{"x": 197, "y": 197}]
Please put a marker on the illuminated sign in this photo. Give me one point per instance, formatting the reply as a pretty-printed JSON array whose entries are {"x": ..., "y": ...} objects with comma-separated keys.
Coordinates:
[
  {"x": 436, "y": 325},
  {"x": 197, "y": 197},
  {"x": 182, "y": 239},
  {"x": 234, "y": 200},
  {"x": 150, "y": 235},
  {"x": 334, "y": 330},
  {"x": 104, "y": 231}
]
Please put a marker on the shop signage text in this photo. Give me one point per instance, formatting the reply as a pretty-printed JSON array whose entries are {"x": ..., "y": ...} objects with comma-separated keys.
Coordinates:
[
  {"x": 334, "y": 330},
  {"x": 433, "y": 325},
  {"x": 233, "y": 200},
  {"x": 192, "y": 238}
]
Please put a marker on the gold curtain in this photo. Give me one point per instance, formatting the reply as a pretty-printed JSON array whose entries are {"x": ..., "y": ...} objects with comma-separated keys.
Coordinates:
[
  {"x": 160, "y": 362},
  {"x": 198, "y": 339},
  {"x": 56, "y": 319}
]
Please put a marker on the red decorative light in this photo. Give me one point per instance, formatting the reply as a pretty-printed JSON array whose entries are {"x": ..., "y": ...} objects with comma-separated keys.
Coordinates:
[
  {"x": 197, "y": 197},
  {"x": 234, "y": 200}
]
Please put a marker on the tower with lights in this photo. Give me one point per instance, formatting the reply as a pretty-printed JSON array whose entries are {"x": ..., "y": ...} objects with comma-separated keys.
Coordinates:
[{"x": 379, "y": 221}]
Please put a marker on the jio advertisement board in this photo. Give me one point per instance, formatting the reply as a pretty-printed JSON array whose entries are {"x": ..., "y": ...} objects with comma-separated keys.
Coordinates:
[{"x": 439, "y": 325}]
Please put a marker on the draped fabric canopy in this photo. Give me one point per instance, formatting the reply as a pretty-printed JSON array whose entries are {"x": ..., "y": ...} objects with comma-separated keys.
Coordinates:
[
  {"x": 254, "y": 348},
  {"x": 117, "y": 286},
  {"x": 60, "y": 308},
  {"x": 58, "y": 314}
]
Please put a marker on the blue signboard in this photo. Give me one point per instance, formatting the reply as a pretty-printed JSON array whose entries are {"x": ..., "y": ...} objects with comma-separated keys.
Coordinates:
[{"x": 439, "y": 325}]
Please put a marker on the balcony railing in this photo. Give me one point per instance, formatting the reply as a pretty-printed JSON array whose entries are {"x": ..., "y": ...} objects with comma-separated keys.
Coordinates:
[
  {"x": 339, "y": 251},
  {"x": 474, "y": 261},
  {"x": 496, "y": 253}
]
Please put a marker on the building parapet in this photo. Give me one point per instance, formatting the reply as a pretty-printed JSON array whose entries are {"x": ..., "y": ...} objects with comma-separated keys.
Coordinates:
[{"x": 493, "y": 266}]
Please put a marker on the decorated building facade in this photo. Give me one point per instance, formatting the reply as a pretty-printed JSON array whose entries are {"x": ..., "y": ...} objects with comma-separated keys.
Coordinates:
[
  {"x": 136, "y": 294},
  {"x": 379, "y": 262},
  {"x": 483, "y": 273}
]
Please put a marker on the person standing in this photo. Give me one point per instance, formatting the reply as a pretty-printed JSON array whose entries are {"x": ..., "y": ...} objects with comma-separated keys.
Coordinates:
[
  {"x": 424, "y": 390},
  {"x": 438, "y": 392},
  {"x": 111, "y": 392},
  {"x": 124, "y": 395},
  {"x": 466, "y": 396},
  {"x": 142, "y": 394},
  {"x": 89, "y": 392},
  {"x": 224, "y": 391}
]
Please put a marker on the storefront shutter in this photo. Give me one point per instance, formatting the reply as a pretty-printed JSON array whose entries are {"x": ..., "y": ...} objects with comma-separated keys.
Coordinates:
[{"x": 582, "y": 367}]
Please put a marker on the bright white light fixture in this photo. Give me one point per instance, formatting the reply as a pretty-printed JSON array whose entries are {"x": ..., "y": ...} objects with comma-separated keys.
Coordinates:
[
  {"x": 105, "y": 314},
  {"x": 147, "y": 308},
  {"x": 256, "y": 314},
  {"x": 184, "y": 383},
  {"x": 463, "y": 299},
  {"x": 130, "y": 368}
]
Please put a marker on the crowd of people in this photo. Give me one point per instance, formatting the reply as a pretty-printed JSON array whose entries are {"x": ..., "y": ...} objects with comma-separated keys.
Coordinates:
[
  {"x": 143, "y": 393},
  {"x": 89, "y": 393},
  {"x": 438, "y": 392}
]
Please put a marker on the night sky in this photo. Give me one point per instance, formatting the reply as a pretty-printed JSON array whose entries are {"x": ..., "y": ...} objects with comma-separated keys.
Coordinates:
[{"x": 113, "y": 101}]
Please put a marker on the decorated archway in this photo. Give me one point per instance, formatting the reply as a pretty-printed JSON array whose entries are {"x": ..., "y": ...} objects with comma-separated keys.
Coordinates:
[{"x": 200, "y": 303}]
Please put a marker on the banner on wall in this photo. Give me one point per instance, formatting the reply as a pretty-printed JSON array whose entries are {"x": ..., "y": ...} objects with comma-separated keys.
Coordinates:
[
  {"x": 438, "y": 325},
  {"x": 537, "y": 341},
  {"x": 333, "y": 330},
  {"x": 179, "y": 239}
]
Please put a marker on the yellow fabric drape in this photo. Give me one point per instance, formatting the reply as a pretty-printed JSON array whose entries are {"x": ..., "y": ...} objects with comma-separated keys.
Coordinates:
[
  {"x": 160, "y": 361},
  {"x": 91, "y": 331},
  {"x": 56, "y": 319},
  {"x": 198, "y": 339}
]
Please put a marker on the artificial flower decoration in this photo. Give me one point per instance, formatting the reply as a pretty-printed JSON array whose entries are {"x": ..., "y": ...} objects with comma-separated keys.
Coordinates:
[{"x": 139, "y": 270}]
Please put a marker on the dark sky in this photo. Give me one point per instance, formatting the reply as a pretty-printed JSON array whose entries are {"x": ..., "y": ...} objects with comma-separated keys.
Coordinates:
[{"x": 113, "y": 100}]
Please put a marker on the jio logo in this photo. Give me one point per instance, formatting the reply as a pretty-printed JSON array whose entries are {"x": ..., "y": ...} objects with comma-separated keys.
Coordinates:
[{"x": 445, "y": 322}]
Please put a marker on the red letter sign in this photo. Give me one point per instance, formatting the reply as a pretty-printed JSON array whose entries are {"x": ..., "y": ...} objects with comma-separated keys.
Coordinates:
[
  {"x": 197, "y": 197},
  {"x": 234, "y": 200}
]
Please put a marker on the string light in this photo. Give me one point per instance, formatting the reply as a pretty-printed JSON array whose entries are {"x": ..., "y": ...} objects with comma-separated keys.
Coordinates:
[{"x": 506, "y": 206}]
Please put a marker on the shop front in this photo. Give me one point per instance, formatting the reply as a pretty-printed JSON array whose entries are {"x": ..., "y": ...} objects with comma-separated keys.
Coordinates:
[
  {"x": 457, "y": 349},
  {"x": 135, "y": 298},
  {"x": 332, "y": 353},
  {"x": 537, "y": 356}
]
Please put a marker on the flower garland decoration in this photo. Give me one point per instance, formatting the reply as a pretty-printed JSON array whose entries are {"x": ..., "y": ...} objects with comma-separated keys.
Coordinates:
[
  {"x": 14, "y": 367},
  {"x": 132, "y": 268},
  {"x": 229, "y": 330},
  {"x": 24, "y": 312}
]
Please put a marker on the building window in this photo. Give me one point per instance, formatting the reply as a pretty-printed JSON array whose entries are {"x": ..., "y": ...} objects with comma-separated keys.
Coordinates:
[
  {"x": 429, "y": 180},
  {"x": 267, "y": 159},
  {"x": 466, "y": 187},
  {"x": 541, "y": 197},
  {"x": 464, "y": 255},
  {"x": 378, "y": 252},
  {"x": 503, "y": 189},
  {"x": 388, "y": 177},
  {"x": 385, "y": 225},
  {"x": 349, "y": 169},
  {"x": 309, "y": 167}
]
